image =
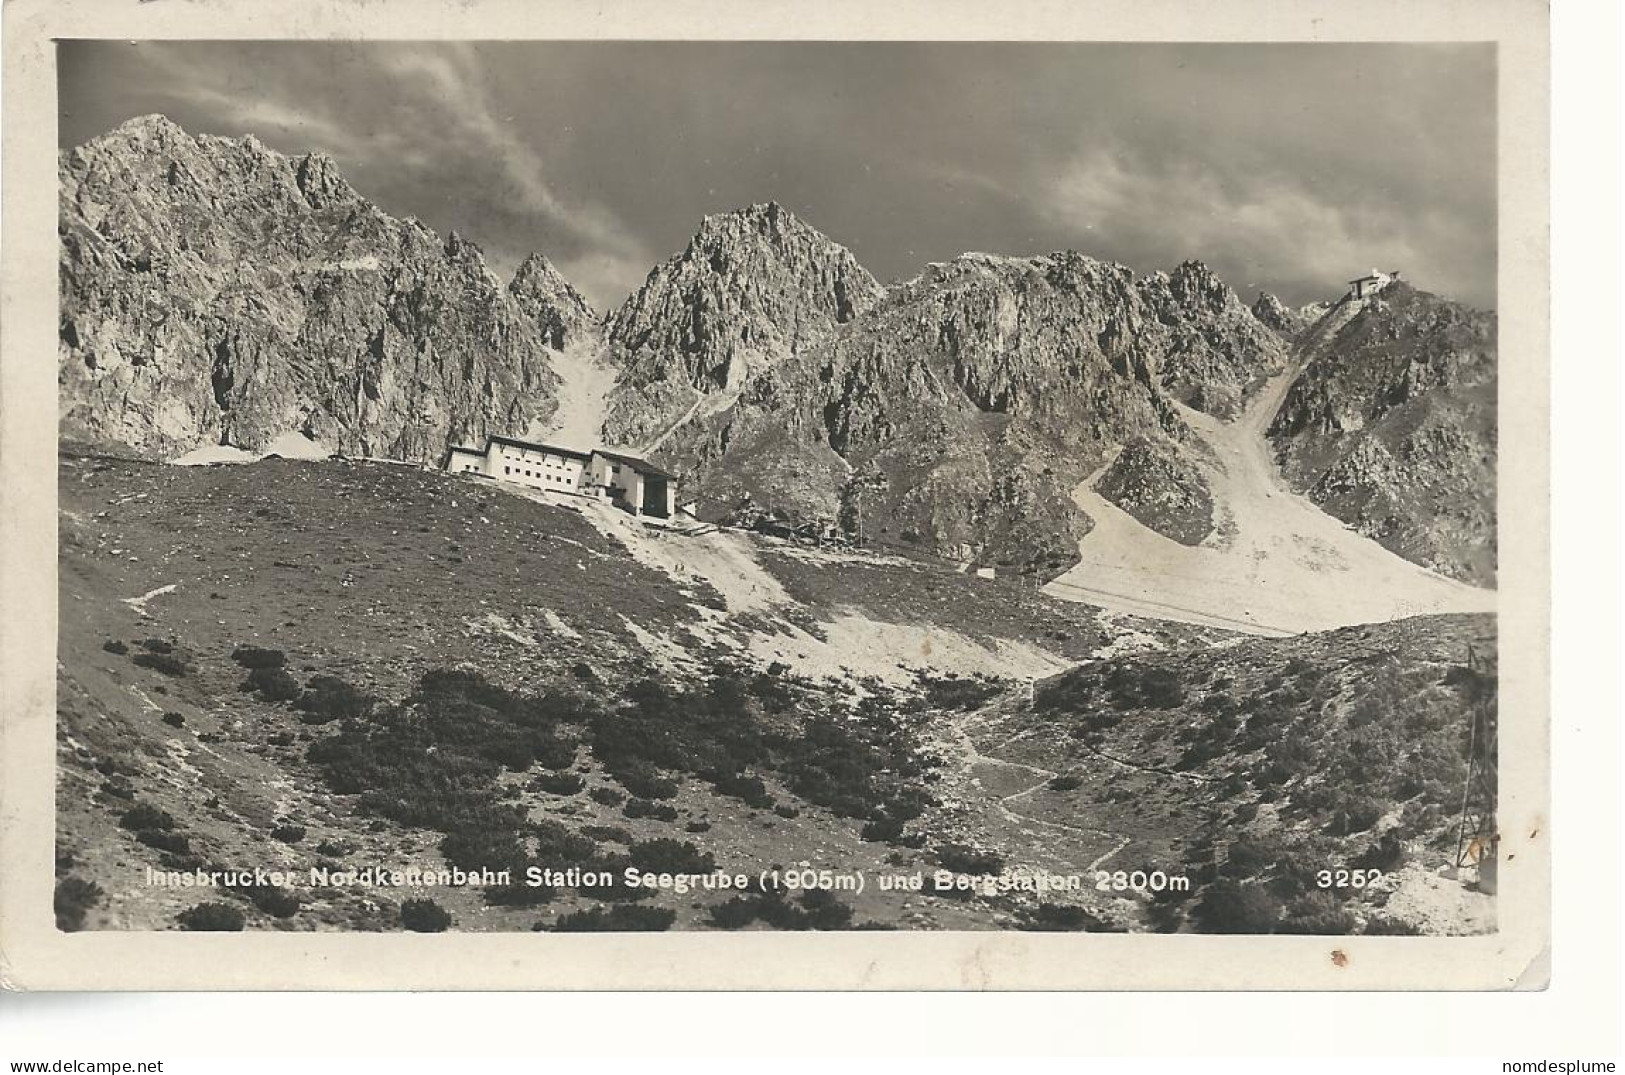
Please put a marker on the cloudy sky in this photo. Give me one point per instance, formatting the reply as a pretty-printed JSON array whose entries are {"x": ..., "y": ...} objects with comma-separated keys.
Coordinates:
[{"x": 1285, "y": 167}]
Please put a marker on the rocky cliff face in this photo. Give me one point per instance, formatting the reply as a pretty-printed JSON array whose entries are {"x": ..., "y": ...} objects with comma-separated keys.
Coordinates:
[
  {"x": 216, "y": 292},
  {"x": 752, "y": 288},
  {"x": 1212, "y": 353},
  {"x": 955, "y": 416},
  {"x": 1392, "y": 426}
]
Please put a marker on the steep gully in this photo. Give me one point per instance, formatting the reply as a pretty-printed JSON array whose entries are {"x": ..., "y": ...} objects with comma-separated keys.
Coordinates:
[{"x": 1277, "y": 564}]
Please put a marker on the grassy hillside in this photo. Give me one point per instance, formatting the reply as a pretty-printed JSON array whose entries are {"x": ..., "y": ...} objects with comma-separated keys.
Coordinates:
[
  {"x": 1249, "y": 768},
  {"x": 341, "y": 664}
]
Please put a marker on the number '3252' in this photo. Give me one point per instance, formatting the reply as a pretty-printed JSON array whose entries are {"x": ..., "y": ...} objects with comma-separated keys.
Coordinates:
[{"x": 1348, "y": 878}]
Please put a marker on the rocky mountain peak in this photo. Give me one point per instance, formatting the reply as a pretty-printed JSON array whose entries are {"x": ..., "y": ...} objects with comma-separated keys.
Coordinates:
[
  {"x": 563, "y": 312},
  {"x": 752, "y": 287},
  {"x": 319, "y": 177},
  {"x": 1274, "y": 314},
  {"x": 1212, "y": 350}
]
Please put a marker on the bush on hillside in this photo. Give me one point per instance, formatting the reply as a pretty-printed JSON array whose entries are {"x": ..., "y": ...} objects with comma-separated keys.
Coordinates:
[
  {"x": 816, "y": 909},
  {"x": 619, "y": 918},
  {"x": 424, "y": 916},
  {"x": 274, "y": 900},
  {"x": 256, "y": 657},
  {"x": 606, "y": 796},
  {"x": 211, "y": 918},
  {"x": 636, "y": 808},
  {"x": 73, "y": 900},
  {"x": 556, "y": 844},
  {"x": 478, "y": 848},
  {"x": 167, "y": 663},
  {"x": 272, "y": 684},
  {"x": 1061, "y": 918},
  {"x": 165, "y": 840},
  {"x": 644, "y": 782},
  {"x": 1316, "y": 914}
]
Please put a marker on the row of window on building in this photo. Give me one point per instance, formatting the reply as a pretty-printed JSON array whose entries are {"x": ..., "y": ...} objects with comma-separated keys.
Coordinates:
[{"x": 520, "y": 472}]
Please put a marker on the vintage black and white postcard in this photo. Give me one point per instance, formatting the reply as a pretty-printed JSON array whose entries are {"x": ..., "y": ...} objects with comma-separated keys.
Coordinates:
[{"x": 808, "y": 500}]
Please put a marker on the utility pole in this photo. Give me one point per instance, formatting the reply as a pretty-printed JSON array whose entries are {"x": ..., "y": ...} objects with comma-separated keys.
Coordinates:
[{"x": 1476, "y": 834}]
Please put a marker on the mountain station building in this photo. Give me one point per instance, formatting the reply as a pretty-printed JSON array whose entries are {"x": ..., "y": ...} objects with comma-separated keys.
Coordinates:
[
  {"x": 630, "y": 483},
  {"x": 1371, "y": 283}
]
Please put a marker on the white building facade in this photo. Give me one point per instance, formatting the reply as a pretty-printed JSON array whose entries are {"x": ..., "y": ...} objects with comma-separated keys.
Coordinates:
[{"x": 633, "y": 484}]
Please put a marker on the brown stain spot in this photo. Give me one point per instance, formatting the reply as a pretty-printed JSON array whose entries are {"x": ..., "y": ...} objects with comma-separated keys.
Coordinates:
[
  {"x": 1340, "y": 958},
  {"x": 1534, "y": 832},
  {"x": 925, "y": 647}
]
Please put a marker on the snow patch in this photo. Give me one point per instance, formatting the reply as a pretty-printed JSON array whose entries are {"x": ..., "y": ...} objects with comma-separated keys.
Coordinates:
[
  {"x": 289, "y": 445},
  {"x": 854, "y": 646},
  {"x": 556, "y": 624},
  {"x": 139, "y": 604},
  {"x": 1287, "y": 567},
  {"x": 585, "y": 380}
]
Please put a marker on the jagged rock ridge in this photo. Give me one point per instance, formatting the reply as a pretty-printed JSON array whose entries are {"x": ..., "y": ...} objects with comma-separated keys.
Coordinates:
[
  {"x": 1162, "y": 489},
  {"x": 217, "y": 292},
  {"x": 957, "y": 414},
  {"x": 954, "y": 413}
]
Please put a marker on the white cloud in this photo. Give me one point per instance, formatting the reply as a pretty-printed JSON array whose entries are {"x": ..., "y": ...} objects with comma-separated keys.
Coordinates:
[
  {"x": 450, "y": 78},
  {"x": 1266, "y": 226}
]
